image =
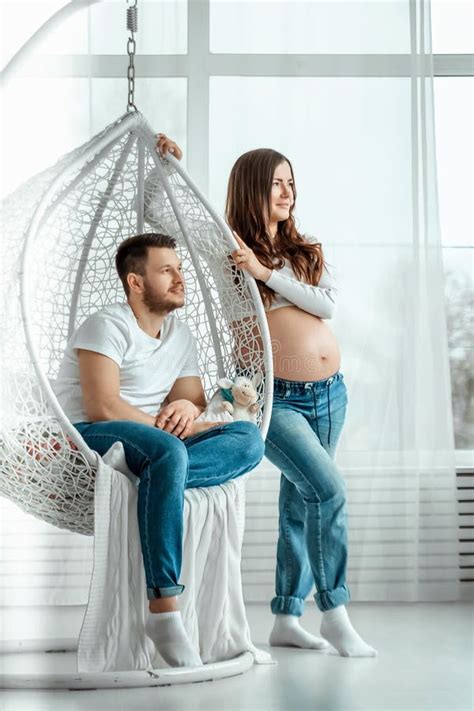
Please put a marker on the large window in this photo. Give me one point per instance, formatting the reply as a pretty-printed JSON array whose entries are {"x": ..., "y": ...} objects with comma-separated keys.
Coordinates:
[{"x": 208, "y": 67}]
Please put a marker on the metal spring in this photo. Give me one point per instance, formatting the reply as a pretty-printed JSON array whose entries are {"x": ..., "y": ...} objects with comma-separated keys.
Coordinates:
[{"x": 132, "y": 19}]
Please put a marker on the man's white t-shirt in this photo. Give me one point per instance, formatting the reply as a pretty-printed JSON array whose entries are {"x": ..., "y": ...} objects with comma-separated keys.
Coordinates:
[{"x": 148, "y": 366}]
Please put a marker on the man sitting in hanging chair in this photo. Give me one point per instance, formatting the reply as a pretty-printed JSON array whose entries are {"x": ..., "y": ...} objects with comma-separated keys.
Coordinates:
[{"x": 130, "y": 374}]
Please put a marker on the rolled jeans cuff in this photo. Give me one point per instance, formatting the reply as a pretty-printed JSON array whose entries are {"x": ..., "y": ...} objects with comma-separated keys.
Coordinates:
[
  {"x": 329, "y": 599},
  {"x": 287, "y": 605},
  {"x": 157, "y": 593}
]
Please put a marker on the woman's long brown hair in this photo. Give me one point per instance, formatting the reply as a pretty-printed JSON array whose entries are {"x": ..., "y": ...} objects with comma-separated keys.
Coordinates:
[{"x": 248, "y": 212}]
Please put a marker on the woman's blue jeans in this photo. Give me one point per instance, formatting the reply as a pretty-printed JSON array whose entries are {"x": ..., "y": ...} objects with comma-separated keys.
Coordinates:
[
  {"x": 306, "y": 423},
  {"x": 166, "y": 466}
]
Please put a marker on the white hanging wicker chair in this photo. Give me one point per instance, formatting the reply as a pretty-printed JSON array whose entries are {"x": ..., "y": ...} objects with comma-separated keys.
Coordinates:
[{"x": 61, "y": 231}]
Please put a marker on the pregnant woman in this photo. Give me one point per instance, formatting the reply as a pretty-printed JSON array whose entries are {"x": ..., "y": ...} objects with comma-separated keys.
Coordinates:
[{"x": 310, "y": 399}]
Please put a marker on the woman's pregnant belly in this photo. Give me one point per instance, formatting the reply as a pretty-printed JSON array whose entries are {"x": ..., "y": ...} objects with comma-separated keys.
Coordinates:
[{"x": 304, "y": 347}]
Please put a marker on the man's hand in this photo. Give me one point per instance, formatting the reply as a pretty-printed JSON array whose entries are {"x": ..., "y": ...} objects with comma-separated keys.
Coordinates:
[{"x": 177, "y": 418}]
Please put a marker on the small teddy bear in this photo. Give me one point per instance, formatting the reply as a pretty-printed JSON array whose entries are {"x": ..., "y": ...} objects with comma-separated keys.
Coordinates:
[{"x": 233, "y": 400}]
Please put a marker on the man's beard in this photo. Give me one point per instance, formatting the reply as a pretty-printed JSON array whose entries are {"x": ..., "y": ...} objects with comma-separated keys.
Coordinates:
[{"x": 156, "y": 305}]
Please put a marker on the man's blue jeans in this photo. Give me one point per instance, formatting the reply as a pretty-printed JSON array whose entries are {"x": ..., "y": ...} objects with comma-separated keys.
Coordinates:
[
  {"x": 166, "y": 466},
  {"x": 306, "y": 423}
]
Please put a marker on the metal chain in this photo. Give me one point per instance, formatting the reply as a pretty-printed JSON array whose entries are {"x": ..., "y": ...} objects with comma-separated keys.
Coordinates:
[{"x": 132, "y": 27}]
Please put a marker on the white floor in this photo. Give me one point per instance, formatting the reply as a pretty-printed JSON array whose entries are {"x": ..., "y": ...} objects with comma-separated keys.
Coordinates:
[{"x": 425, "y": 662}]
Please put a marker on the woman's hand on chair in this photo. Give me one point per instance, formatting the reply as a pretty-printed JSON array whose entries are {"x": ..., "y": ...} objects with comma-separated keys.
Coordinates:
[
  {"x": 165, "y": 145},
  {"x": 245, "y": 258}
]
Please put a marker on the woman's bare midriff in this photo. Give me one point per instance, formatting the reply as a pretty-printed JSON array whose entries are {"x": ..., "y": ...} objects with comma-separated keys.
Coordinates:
[{"x": 304, "y": 347}]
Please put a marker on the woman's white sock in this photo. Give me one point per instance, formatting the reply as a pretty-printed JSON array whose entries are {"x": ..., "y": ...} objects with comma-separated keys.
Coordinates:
[
  {"x": 337, "y": 629},
  {"x": 287, "y": 632},
  {"x": 167, "y": 632}
]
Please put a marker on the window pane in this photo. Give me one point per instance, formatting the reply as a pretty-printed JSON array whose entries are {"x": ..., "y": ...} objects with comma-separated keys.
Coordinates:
[
  {"x": 21, "y": 19},
  {"x": 162, "y": 101},
  {"x": 454, "y": 148},
  {"x": 33, "y": 139},
  {"x": 452, "y": 26},
  {"x": 349, "y": 153},
  {"x": 101, "y": 29},
  {"x": 350, "y": 133},
  {"x": 310, "y": 27},
  {"x": 30, "y": 147},
  {"x": 459, "y": 271},
  {"x": 162, "y": 27}
]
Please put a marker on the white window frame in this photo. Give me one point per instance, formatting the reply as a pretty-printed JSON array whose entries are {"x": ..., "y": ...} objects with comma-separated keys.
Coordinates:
[{"x": 199, "y": 65}]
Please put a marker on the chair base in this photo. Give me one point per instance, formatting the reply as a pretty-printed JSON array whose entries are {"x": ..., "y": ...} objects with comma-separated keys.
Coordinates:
[{"x": 50, "y": 678}]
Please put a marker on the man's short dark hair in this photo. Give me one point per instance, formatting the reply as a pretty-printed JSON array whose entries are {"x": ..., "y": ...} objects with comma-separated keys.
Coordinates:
[{"x": 132, "y": 254}]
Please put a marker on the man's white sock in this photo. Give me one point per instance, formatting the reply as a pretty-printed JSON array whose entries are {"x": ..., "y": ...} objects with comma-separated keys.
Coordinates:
[
  {"x": 287, "y": 632},
  {"x": 337, "y": 629},
  {"x": 167, "y": 632}
]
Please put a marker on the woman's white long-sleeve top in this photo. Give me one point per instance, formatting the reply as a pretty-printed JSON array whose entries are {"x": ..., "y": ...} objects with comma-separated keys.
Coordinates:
[{"x": 317, "y": 300}]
